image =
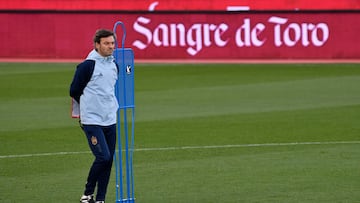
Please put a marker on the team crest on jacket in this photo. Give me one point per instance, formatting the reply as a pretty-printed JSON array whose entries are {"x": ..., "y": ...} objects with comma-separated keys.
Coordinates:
[{"x": 94, "y": 140}]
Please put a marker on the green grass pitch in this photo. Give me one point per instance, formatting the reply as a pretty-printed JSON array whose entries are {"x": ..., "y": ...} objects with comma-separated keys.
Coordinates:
[{"x": 203, "y": 133}]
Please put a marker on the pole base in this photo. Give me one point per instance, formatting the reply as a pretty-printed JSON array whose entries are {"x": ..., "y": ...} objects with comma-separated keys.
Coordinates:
[{"x": 131, "y": 200}]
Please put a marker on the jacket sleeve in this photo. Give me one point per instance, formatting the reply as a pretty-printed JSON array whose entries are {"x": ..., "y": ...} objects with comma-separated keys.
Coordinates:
[{"x": 82, "y": 76}]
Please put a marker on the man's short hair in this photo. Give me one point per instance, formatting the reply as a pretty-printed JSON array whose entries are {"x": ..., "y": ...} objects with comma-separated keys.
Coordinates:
[{"x": 101, "y": 33}]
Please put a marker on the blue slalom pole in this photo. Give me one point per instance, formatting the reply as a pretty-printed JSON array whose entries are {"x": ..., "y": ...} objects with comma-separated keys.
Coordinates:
[
  {"x": 125, "y": 95},
  {"x": 118, "y": 159},
  {"x": 132, "y": 152}
]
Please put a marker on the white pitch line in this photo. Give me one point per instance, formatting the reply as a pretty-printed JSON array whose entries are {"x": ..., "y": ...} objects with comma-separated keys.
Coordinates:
[
  {"x": 189, "y": 147},
  {"x": 42, "y": 154},
  {"x": 246, "y": 145}
]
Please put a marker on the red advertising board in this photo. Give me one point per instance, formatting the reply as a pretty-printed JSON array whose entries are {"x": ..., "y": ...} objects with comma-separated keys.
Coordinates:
[
  {"x": 179, "y": 5},
  {"x": 223, "y": 36}
]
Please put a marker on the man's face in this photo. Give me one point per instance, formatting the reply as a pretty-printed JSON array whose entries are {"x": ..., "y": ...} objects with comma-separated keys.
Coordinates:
[{"x": 106, "y": 46}]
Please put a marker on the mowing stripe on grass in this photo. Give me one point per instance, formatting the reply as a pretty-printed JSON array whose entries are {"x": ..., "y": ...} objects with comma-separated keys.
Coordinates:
[{"x": 189, "y": 147}]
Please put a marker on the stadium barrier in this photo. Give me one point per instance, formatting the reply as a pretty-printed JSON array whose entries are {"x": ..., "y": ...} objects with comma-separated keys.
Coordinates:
[{"x": 186, "y": 35}]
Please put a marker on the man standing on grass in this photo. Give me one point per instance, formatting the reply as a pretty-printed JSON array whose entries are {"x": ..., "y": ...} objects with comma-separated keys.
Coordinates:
[{"x": 93, "y": 87}]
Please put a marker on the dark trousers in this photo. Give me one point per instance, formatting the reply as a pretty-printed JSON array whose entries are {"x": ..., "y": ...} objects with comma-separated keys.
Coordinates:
[{"x": 102, "y": 141}]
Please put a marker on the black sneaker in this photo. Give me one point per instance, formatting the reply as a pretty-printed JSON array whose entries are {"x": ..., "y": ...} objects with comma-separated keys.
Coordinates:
[{"x": 87, "y": 199}]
